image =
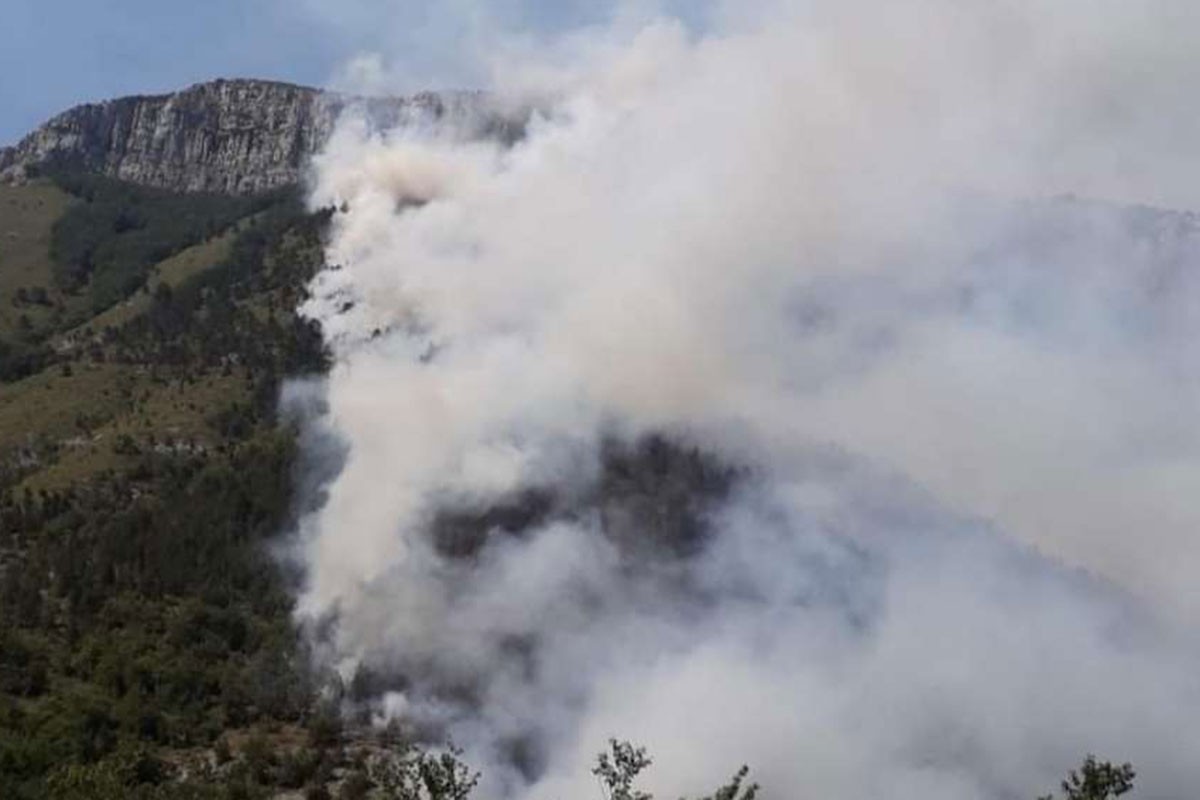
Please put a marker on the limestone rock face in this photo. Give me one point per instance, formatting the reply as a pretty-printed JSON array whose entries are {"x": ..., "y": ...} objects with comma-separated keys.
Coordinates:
[{"x": 233, "y": 136}]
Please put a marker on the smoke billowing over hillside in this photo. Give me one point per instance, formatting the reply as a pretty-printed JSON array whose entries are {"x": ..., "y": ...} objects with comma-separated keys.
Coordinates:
[{"x": 767, "y": 401}]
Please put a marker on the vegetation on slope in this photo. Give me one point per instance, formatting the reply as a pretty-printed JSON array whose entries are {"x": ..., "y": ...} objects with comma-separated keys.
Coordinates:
[
  {"x": 111, "y": 239},
  {"x": 29, "y": 302},
  {"x": 142, "y": 469},
  {"x": 27, "y": 218},
  {"x": 79, "y": 244}
]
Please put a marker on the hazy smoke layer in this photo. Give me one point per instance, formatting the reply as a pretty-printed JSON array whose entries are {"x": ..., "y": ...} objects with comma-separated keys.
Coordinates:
[{"x": 765, "y": 403}]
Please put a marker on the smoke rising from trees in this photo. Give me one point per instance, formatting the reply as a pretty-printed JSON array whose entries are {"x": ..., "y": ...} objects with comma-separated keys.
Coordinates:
[{"x": 767, "y": 401}]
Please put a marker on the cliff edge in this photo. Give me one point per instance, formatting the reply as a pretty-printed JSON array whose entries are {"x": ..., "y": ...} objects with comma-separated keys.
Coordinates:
[{"x": 231, "y": 136}]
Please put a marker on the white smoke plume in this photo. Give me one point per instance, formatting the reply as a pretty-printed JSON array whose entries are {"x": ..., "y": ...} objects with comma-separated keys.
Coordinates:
[{"x": 766, "y": 403}]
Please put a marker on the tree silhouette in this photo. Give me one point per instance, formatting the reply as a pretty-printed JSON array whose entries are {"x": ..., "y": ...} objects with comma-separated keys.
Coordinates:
[{"x": 1096, "y": 780}]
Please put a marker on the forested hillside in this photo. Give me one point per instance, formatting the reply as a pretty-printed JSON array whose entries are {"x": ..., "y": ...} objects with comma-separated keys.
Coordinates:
[{"x": 143, "y": 622}]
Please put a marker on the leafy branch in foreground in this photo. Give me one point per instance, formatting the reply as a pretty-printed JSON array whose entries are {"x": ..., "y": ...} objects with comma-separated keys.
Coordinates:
[
  {"x": 1096, "y": 780},
  {"x": 730, "y": 791},
  {"x": 618, "y": 768},
  {"x": 416, "y": 775}
]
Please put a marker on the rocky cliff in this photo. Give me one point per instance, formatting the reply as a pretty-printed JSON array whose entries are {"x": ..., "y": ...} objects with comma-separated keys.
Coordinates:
[{"x": 236, "y": 136}]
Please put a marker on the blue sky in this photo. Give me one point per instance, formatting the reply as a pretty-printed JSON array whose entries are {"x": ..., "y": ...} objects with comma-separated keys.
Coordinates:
[{"x": 56, "y": 53}]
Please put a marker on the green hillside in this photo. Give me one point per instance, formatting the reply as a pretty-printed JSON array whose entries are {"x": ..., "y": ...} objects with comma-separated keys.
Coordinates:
[{"x": 143, "y": 337}]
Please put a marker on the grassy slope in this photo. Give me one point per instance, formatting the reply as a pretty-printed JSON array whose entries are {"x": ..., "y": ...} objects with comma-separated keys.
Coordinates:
[
  {"x": 172, "y": 271},
  {"x": 61, "y": 427},
  {"x": 87, "y": 413},
  {"x": 27, "y": 214}
]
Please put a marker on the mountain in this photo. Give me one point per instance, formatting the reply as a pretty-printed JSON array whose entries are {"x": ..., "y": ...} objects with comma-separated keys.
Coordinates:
[
  {"x": 230, "y": 136},
  {"x": 146, "y": 328},
  {"x": 150, "y": 474},
  {"x": 153, "y": 250}
]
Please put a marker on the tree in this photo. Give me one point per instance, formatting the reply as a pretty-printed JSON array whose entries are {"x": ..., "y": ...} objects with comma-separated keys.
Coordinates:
[
  {"x": 414, "y": 775},
  {"x": 1096, "y": 780},
  {"x": 619, "y": 768}
]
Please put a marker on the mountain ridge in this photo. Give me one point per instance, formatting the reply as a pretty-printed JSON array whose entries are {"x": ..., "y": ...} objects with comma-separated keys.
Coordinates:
[{"x": 229, "y": 135}]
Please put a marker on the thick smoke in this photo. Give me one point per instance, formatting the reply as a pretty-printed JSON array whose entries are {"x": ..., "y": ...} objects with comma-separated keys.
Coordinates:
[{"x": 768, "y": 401}]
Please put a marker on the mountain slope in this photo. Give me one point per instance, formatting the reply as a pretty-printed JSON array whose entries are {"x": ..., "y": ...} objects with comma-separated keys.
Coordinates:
[{"x": 142, "y": 468}]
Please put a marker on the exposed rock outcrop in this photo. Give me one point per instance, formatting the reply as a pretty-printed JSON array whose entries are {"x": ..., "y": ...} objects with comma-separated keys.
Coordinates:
[{"x": 236, "y": 136}]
